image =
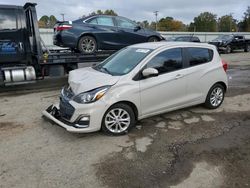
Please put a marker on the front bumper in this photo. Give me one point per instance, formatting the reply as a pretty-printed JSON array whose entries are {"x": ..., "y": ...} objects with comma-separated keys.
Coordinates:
[
  {"x": 82, "y": 121},
  {"x": 221, "y": 48}
]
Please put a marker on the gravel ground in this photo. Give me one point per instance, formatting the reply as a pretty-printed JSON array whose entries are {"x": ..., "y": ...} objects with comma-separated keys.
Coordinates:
[{"x": 193, "y": 147}]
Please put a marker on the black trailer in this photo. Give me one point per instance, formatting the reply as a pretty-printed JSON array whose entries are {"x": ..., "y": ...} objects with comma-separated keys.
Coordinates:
[{"x": 22, "y": 58}]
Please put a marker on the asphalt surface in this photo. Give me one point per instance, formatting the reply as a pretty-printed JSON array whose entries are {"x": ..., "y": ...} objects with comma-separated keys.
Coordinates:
[{"x": 192, "y": 147}]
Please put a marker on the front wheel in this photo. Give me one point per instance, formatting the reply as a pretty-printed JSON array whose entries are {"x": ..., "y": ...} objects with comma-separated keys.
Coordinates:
[
  {"x": 118, "y": 119},
  {"x": 215, "y": 96},
  {"x": 228, "y": 49},
  {"x": 87, "y": 45},
  {"x": 153, "y": 39}
]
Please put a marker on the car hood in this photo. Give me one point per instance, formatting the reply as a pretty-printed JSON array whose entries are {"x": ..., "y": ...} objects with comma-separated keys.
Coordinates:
[{"x": 85, "y": 79}]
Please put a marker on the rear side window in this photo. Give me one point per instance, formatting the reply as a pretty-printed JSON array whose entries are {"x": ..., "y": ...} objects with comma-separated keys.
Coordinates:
[
  {"x": 106, "y": 21},
  {"x": 167, "y": 61},
  {"x": 8, "y": 19},
  {"x": 93, "y": 21},
  {"x": 199, "y": 56},
  {"x": 124, "y": 23}
]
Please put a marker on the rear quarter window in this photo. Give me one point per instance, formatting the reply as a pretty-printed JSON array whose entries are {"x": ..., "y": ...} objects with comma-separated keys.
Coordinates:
[{"x": 198, "y": 56}]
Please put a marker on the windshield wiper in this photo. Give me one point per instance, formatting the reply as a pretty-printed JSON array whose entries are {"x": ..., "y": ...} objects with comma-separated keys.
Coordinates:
[{"x": 106, "y": 70}]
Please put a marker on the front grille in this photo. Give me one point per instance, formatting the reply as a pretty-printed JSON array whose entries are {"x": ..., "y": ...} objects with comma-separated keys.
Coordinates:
[{"x": 66, "y": 109}]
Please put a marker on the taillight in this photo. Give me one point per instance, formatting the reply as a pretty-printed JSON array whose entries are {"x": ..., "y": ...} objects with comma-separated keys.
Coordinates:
[
  {"x": 63, "y": 27},
  {"x": 224, "y": 64}
]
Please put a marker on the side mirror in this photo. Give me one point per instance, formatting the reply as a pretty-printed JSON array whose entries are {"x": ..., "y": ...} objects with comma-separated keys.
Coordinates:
[
  {"x": 137, "y": 28},
  {"x": 150, "y": 72}
]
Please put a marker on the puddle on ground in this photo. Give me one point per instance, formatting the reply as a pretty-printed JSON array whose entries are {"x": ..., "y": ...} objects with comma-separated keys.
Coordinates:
[{"x": 202, "y": 175}]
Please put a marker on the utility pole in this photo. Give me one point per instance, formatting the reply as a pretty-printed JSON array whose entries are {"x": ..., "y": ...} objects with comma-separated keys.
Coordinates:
[
  {"x": 231, "y": 20},
  {"x": 156, "y": 14},
  {"x": 62, "y": 16}
]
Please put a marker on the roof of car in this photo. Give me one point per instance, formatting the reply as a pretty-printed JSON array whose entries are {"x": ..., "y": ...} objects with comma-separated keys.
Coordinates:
[{"x": 156, "y": 45}]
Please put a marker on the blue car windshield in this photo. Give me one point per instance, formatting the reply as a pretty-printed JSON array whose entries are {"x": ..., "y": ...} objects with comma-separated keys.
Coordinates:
[{"x": 123, "y": 61}]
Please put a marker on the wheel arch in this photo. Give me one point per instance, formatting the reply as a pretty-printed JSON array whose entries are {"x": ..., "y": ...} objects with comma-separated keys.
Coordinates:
[
  {"x": 87, "y": 34},
  {"x": 221, "y": 83},
  {"x": 154, "y": 36},
  {"x": 131, "y": 104}
]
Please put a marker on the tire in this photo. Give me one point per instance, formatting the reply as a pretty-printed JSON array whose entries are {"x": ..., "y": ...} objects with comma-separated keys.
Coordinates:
[
  {"x": 87, "y": 45},
  {"x": 247, "y": 49},
  {"x": 111, "y": 123},
  {"x": 215, "y": 96},
  {"x": 153, "y": 39},
  {"x": 228, "y": 49}
]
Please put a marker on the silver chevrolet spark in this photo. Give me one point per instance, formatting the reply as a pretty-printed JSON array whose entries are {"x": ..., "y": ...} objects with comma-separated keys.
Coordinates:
[{"x": 137, "y": 82}]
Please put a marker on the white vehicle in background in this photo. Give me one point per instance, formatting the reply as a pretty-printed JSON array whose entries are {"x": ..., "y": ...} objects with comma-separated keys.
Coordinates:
[{"x": 140, "y": 81}]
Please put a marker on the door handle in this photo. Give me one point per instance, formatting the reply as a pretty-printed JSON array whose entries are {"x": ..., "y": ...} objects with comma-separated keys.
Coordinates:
[{"x": 178, "y": 76}]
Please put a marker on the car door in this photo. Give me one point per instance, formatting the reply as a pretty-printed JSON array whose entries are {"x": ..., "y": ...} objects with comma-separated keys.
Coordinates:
[
  {"x": 168, "y": 89},
  {"x": 198, "y": 72},
  {"x": 11, "y": 36},
  {"x": 129, "y": 32},
  {"x": 105, "y": 31}
]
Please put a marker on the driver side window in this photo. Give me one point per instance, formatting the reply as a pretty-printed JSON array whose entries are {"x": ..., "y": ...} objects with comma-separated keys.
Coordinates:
[{"x": 167, "y": 61}]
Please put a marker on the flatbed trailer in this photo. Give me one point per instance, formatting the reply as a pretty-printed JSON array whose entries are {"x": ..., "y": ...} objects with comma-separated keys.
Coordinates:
[{"x": 22, "y": 58}]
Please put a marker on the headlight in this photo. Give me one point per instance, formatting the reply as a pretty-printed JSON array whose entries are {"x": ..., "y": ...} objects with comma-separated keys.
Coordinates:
[{"x": 91, "y": 96}]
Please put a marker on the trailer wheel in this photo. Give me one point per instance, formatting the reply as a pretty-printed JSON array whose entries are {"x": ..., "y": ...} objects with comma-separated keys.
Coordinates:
[
  {"x": 87, "y": 45},
  {"x": 56, "y": 71}
]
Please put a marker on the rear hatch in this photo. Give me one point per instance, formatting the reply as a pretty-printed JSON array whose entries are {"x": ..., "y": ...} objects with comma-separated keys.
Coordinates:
[{"x": 11, "y": 35}]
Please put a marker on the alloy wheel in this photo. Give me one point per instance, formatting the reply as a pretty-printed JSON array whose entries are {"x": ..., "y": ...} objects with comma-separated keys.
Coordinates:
[
  {"x": 88, "y": 45},
  {"x": 216, "y": 96},
  {"x": 117, "y": 120}
]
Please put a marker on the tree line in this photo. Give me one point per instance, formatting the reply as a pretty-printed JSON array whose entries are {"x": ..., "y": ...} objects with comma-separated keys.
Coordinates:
[{"x": 204, "y": 22}]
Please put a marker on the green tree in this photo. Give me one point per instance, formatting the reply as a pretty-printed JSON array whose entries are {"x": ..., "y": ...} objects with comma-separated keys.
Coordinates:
[
  {"x": 47, "y": 22},
  {"x": 169, "y": 24},
  {"x": 106, "y": 12},
  {"x": 43, "y": 21},
  {"x": 110, "y": 12},
  {"x": 227, "y": 23},
  {"x": 244, "y": 25},
  {"x": 205, "y": 22},
  {"x": 152, "y": 25},
  {"x": 145, "y": 24},
  {"x": 99, "y": 12},
  {"x": 52, "y": 21}
]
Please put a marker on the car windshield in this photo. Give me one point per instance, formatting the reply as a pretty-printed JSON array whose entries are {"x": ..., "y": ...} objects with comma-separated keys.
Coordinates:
[
  {"x": 224, "y": 37},
  {"x": 171, "y": 39},
  {"x": 123, "y": 61}
]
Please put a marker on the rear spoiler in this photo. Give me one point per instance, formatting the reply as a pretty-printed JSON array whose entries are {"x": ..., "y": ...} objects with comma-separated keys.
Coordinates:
[{"x": 62, "y": 25}]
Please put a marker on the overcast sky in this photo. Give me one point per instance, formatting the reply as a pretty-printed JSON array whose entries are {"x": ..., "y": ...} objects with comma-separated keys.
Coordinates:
[{"x": 184, "y": 10}]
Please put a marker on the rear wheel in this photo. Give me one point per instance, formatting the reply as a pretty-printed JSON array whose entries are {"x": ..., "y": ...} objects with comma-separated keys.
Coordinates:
[
  {"x": 87, "y": 45},
  {"x": 247, "y": 49},
  {"x": 118, "y": 119},
  {"x": 215, "y": 96},
  {"x": 153, "y": 39}
]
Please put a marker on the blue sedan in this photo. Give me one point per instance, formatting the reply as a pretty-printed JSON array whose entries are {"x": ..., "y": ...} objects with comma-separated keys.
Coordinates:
[{"x": 101, "y": 32}]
